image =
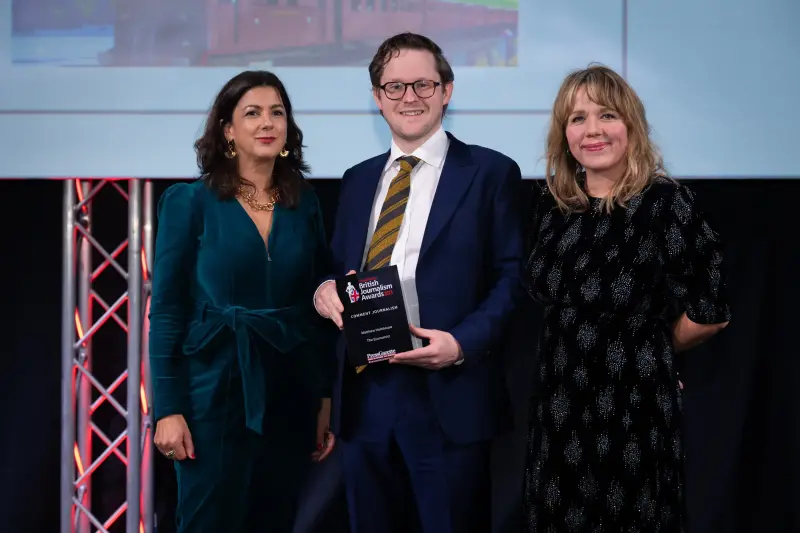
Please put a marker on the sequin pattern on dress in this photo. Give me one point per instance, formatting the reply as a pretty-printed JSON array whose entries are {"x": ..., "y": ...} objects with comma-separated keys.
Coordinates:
[{"x": 605, "y": 452}]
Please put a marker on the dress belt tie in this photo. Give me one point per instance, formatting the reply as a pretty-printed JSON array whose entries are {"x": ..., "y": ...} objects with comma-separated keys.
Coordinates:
[{"x": 281, "y": 328}]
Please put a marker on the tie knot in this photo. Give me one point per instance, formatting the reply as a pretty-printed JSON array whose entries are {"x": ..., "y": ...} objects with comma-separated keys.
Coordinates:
[{"x": 408, "y": 162}]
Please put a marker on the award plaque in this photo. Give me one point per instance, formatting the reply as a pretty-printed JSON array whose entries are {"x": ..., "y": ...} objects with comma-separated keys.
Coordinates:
[{"x": 374, "y": 317}]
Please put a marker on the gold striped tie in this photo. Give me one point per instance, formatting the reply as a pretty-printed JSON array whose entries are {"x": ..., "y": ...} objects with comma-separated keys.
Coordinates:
[
  {"x": 394, "y": 207},
  {"x": 391, "y": 218}
]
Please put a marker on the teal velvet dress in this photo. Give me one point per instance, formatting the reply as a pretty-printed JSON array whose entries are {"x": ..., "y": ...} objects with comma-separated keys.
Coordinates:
[{"x": 237, "y": 348}]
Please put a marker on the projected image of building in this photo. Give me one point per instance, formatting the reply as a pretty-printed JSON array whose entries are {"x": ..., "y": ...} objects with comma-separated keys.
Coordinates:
[
  {"x": 267, "y": 32},
  {"x": 60, "y": 32}
]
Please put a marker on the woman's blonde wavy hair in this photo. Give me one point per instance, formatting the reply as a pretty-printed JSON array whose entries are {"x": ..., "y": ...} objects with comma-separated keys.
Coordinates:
[{"x": 644, "y": 162}]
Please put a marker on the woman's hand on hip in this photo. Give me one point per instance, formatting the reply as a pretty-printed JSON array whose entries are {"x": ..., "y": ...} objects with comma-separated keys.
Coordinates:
[
  {"x": 173, "y": 438},
  {"x": 325, "y": 439}
]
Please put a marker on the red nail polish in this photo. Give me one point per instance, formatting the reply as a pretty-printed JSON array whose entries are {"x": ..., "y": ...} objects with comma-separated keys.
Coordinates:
[{"x": 191, "y": 456}]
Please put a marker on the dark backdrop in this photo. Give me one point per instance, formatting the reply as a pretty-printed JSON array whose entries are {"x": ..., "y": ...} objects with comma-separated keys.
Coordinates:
[{"x": 742, "y": 396}]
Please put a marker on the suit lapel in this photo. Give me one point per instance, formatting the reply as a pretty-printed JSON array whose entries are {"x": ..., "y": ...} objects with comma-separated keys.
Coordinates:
[
  {"x": 361, "y": 202},
  {"x": 457, "y": 175}
]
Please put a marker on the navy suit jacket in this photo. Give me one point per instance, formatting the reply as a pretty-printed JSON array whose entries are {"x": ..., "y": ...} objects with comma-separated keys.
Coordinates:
[{"x": 467, "y": 277}]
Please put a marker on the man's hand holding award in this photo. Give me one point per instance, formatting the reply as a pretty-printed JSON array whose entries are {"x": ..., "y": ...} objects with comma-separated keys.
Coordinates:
[{"x": 370, "y": 308}]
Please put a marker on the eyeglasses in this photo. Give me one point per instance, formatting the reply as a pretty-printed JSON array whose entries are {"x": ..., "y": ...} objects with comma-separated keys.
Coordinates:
[{"x": 396, "y": 90}]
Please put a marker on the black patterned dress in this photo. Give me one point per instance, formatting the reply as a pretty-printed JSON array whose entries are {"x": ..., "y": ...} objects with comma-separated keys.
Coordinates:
[{"x": 605, "y": 452}]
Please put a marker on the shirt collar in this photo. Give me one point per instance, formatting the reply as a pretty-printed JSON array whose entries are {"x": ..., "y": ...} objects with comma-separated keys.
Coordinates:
[{"x": 432, "y": 152}]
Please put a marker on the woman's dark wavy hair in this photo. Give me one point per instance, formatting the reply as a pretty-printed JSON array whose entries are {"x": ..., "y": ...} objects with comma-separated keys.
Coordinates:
[{"x": 220, "y": 173}]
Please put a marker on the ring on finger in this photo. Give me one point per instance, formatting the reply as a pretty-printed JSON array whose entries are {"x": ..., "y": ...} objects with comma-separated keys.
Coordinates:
[{"x": 170, "y": 454}]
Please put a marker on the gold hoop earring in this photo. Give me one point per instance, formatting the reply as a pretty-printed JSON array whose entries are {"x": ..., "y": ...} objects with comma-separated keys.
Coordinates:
[
  {"x": 231, "y": 153},
  {"x": 284, "y": 152}
]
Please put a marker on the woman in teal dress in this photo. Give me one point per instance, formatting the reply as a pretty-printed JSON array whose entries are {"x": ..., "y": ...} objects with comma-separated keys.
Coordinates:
[{"x": 242, "y": 365}]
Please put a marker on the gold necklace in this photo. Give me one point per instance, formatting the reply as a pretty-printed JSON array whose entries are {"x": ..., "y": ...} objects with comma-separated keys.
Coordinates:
[{"x": 250, "y": 198}]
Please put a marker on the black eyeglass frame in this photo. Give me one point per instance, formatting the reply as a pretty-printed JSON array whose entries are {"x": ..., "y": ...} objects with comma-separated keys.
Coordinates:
[{"x": 413, "y": 88}]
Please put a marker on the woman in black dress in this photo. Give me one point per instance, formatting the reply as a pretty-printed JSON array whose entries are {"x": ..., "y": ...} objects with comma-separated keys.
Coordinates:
[{"x": 616, "y": 244}]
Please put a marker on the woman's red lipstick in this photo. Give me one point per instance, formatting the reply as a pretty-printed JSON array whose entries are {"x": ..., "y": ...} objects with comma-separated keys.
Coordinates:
[{"x": 594, "y": 147}]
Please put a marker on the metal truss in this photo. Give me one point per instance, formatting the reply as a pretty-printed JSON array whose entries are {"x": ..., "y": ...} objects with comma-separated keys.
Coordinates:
[{"x": 85, "y": 312}]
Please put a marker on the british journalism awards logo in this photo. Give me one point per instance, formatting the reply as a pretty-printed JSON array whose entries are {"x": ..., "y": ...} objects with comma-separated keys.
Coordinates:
[
  {"x": 352, "y": 292},
  {"x": 368, "y": 289}
]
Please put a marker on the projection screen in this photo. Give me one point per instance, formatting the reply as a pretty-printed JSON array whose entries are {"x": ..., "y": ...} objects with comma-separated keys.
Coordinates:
[{"x": 103, "y": 88}]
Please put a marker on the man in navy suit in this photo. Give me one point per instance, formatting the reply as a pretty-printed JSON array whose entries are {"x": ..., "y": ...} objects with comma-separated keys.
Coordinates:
[{"x": 415, "y": 431}]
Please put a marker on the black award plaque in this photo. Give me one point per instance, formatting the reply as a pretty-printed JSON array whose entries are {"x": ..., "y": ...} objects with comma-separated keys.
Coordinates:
[{"x": 374, "y": 317}]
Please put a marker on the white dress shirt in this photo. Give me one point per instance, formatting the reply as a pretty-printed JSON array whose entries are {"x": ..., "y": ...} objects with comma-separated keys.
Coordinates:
[{"x": 424, "y": 180}]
